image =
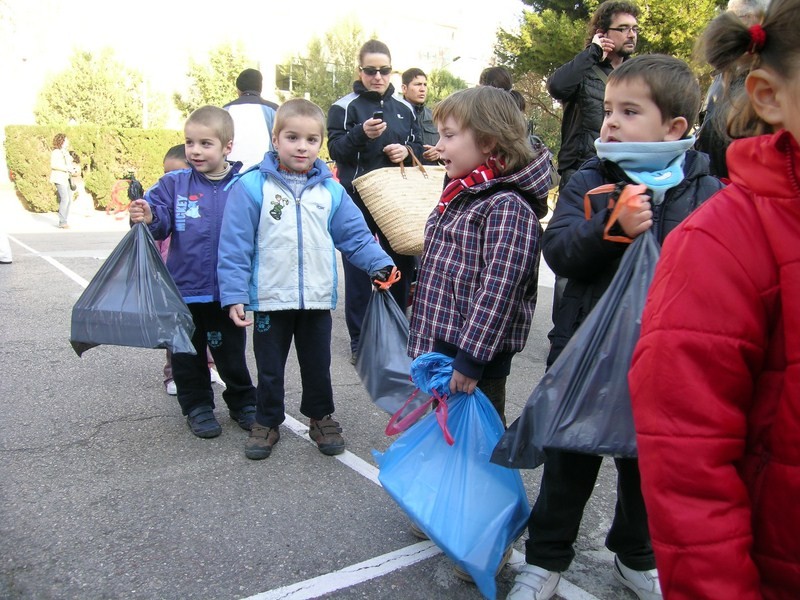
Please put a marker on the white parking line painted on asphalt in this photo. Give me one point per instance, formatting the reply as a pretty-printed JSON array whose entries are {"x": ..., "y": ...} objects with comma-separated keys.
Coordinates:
[
  {"x": 381, "y": 565},
  {"x": 352, "y": 575},
  {"x": 358, "y": 465},
  {"x": 71, "y": 274},
  {"x": 360, "y": 572}
]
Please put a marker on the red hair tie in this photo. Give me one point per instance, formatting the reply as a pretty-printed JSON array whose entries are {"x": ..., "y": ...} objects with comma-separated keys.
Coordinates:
[{"x": 758, "y": 37}]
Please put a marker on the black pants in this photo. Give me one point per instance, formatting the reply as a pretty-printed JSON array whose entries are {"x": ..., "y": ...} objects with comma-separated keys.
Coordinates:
[
  {"x": 227, "y": 343},
  {"x": 567, "y": 484},
  {"x": 358, "y": 287},
  {"x": 272, "y": 337}
]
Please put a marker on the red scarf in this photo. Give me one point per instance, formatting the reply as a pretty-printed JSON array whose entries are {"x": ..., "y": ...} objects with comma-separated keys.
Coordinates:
[{"x": 481, "y": 174}]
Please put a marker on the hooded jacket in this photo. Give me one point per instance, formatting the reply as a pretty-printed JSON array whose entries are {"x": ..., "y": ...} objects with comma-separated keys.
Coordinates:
[
  {"x": 573, "y": 245},
  {"x": 189, "y": 207},
  {"x": 478, "y": 276},
  {"x": 278, "y": 251},
  {"x": 715, "y": 385}
]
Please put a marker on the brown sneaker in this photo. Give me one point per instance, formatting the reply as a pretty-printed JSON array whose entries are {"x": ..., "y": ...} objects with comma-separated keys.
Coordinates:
[
  {"x": 260, "y": 442},
  {"x": 327, "y": 433},
  {"x": 464, "y": 576}
]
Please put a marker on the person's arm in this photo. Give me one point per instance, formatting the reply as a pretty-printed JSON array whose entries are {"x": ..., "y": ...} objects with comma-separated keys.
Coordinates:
[
  {"x": 566, "y": 80},
  {"x": 352, "y": 237},
  {"x": 160, "y": 199},
  {"x": 509, "y": 252},
  {"x": 343, "y": 144},
  {"x": 692, "y": 380},
  {"x": 572, "y": 245},
  {"x": 237, "y": 242}
]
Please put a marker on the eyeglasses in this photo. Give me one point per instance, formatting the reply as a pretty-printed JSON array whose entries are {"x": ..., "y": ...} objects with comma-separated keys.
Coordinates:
[
  {"x": 372, "y": 71},
  {"x": 626, "y": 29}
]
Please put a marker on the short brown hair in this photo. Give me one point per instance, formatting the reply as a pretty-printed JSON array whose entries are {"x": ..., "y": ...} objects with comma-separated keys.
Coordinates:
[
  {"x": 217, "y": 119},
  {"x": 492, "y": 116},
  {"x": 498, "y": 77},
  {"x": 298, "y": 107},
  {"x": 673, "y": 86},
  {"x": 411, "y": 74}
]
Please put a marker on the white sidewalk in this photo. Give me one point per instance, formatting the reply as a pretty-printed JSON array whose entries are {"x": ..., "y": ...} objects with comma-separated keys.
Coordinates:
[{"x": 15, "y": 219}]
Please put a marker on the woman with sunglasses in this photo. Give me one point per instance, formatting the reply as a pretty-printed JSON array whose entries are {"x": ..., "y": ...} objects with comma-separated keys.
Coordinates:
[{"x": 370, "y": 129}]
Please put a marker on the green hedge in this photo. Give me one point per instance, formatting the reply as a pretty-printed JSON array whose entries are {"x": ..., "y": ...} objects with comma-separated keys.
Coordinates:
[{"x": 106, "y": 154}]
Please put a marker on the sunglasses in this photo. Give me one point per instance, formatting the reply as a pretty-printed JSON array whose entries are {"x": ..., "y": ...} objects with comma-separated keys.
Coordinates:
[{"x": 372, "y": 71}]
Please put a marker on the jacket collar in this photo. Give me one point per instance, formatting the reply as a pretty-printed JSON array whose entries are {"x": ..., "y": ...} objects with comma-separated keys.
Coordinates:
[
  {"x": 768, "y": 165},
  {"x": 361, "y": 90},
  {"x": 318, "y": 172}
]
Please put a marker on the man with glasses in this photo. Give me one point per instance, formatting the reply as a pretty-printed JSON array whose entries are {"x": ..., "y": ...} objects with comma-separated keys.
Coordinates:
[{"x": 581, "y": 83}]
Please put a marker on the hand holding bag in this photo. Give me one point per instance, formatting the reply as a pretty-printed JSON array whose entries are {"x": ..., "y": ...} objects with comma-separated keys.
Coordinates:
[
  {"x": 400, "y": 200},
  {"x": 473, "y": 510},
  {"x": 582, "y": 404},
  {"x": 132, "y": 301}
]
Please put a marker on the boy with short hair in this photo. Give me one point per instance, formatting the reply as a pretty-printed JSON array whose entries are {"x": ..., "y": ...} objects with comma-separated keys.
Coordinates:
[
  {"x": 650, "y": 105},
  {"x": 277, "y": 257},
  {"x": 188, "y": 205}
]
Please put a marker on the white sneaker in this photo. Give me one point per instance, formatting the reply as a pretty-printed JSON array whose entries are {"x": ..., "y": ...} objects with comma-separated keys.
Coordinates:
[
  {"x": 534, "y": 583},
  {"x": 215, "y": 378},
  {"x": 172, "y": 389},
  {"x": 644, "y": 584}
]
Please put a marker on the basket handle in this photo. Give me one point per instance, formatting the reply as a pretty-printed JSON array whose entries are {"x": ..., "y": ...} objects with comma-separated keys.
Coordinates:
[{"x": 416, "y": 162}]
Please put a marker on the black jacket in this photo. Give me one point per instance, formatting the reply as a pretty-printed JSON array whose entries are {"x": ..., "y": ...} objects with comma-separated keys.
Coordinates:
[
  {"x": 580, "y": 89},
  {"x": 574, "y": 247},
  {"x": 356, "y": 154}
]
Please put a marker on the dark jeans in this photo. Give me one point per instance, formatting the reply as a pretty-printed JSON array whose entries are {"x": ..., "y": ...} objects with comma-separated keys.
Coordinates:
[
  {"x": 272, "y": 337},
  {"x": 567, "y": 484},
  {"x": 358, "y": 288},
  {"x": 226, "y": 341}
]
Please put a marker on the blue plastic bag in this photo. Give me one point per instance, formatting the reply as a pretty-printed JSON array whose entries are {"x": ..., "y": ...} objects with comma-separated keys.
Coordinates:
[{"x": 473, "y": 510}]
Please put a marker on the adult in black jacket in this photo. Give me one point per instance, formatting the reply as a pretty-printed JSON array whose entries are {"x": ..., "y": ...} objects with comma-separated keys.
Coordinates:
[
  {"x": 580, "y": 84},
  {"x": 360, "y": 143}
]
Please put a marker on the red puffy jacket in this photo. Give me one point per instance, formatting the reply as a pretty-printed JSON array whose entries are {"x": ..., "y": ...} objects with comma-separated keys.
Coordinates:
[{"x": 715, "y": 385}]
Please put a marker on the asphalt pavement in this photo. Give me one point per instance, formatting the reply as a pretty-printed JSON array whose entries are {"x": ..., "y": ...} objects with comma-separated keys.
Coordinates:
[{"x": 104, "y": 492}]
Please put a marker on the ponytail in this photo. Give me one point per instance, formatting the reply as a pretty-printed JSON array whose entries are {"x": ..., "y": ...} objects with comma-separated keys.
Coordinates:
[{"x": 732, "y": 48}]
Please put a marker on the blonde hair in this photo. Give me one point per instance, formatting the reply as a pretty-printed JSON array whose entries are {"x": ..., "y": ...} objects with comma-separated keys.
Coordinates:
[
  {"x": 217, "y": 119},
  {"x": 298, "y": 107},
  {"x": 726, "y": 44},
  {"x": 494, "y": 118}
]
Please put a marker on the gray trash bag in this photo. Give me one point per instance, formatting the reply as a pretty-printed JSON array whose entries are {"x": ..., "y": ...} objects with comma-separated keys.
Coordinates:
[
  {"x": 132, "y": 301},
  {"x": 583, "y": 404},
  {"x": 383, "y": 363}
]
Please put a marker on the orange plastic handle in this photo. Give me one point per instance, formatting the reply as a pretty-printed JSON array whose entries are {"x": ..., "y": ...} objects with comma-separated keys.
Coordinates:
[{"x": 393, "y": 278}]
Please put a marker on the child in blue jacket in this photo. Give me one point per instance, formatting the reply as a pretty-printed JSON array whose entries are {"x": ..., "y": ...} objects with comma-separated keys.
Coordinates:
[
  {"x": 188, "y": 204},
  {"x": 277, "y": 257}
]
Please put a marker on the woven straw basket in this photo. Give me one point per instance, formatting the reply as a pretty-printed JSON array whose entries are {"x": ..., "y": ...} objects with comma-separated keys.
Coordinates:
[{"x": 401, "y": 200}]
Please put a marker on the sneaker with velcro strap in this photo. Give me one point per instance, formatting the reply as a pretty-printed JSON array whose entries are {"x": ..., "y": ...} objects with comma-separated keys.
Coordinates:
[
  {"x": 260, "y": 442},
  {"x": 534, "y": 583},
  {"x": 327, "y": 434},
  {"x": 203, "y": 423},
  {"x": 644, "y": 584}
]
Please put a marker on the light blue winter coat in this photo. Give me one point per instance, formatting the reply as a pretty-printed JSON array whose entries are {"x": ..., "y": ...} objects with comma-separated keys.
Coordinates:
[{"x": 277, "y": 252}]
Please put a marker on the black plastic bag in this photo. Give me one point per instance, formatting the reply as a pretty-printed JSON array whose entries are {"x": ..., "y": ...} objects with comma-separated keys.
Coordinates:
[
  {"x": 383, "y": 363},
  {"x": 132, "y": 301},
  {"x": 582, "y": 404}
]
